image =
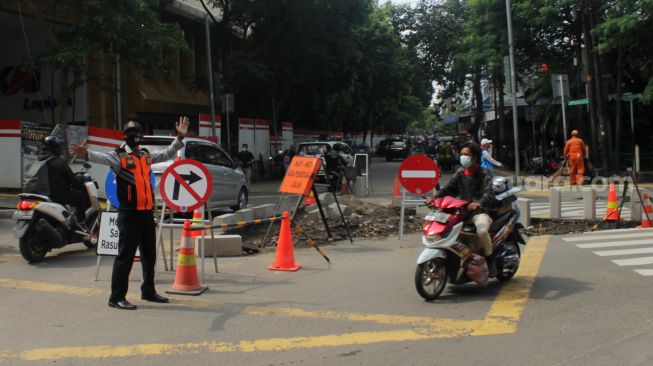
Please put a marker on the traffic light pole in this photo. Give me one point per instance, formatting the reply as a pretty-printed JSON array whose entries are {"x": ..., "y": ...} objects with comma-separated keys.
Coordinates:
[{"x": 513, "y": 88}]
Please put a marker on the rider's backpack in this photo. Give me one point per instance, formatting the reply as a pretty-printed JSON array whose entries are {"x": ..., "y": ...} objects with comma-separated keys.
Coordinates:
[{"x": 36, "y": 177}]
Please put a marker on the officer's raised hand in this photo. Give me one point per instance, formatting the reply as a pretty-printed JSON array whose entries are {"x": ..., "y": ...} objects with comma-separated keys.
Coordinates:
[{"x": 182, "y": 126}]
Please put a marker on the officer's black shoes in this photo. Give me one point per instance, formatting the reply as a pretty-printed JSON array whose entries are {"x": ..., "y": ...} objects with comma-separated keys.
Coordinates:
[
  {"x": 155, "y": 298},
  {"x": 122, "y": 305}
]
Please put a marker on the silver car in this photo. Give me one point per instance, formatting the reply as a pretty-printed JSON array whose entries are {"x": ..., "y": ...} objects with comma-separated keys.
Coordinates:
[{"x": 229, "y": 185}]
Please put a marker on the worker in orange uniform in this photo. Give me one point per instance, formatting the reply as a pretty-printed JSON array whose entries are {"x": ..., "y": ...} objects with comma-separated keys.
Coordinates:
[{"x": 575, "y": 155}]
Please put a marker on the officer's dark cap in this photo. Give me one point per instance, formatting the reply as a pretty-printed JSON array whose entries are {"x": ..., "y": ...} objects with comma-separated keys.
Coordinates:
[{"x": 132, "y": 126}]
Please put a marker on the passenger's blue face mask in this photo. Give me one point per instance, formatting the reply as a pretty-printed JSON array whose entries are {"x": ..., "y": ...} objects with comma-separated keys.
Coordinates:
[{"x": 465, "y": 161}]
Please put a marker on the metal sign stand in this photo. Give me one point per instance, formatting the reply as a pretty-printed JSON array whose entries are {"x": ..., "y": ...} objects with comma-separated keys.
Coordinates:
[{"x": 402, "y": 215}]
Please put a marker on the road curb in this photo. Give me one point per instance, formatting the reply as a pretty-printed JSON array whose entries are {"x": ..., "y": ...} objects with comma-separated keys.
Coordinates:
[{"x": 6, "y": 213}]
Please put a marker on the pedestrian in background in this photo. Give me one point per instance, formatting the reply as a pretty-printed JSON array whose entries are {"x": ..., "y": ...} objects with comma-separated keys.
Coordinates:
[
  {"x": 132, "y": 168},
  {"x": 247, "y": 158},
  {"x": 487, "y": 161},
  {"x": 575, "y": 156}
]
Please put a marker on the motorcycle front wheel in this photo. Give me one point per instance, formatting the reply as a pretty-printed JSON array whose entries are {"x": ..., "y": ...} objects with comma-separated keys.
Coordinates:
[
  {"x": 29, "y": 248},
  {"x": 431, "y": 278}
]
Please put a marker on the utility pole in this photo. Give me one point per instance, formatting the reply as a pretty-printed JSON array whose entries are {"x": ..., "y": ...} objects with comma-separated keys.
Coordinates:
[
  {"x": 513, "y": 87},
  {"x": 208, "y": 56}
]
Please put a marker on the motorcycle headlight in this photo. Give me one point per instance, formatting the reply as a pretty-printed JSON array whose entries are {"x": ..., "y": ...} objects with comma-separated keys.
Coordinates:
[{"x": 430, "y": 240}]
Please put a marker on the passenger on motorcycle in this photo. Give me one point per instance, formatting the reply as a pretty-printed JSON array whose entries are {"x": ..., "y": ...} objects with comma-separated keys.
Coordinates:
[
  {"x": 474, "y": 184},
  {"x": 61, "y": 178}
]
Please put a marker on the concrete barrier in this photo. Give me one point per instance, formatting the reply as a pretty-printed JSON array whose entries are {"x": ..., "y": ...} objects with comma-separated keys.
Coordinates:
[
  {"x": 524, "y": 205},
  {"x": 227, "y": 219},
  {"x": 635, "y": 206},
  {"x": 263, "y": 211},
  {"x": 225, "y": 245},
  {"x": 246, "y": 214},
  {"x": 589, "y": 203},
  {"x": 555, "y": 201}
]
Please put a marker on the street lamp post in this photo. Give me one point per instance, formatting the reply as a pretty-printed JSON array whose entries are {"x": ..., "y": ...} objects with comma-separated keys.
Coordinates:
[{"x": 513, "y": 87}]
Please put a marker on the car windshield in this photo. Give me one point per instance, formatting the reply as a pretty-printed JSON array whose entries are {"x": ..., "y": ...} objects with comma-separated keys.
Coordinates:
[
  {"x": 398, "y": 144},
  {"x": 154, "y": 145},
  {"x": 313, "y": 149}
]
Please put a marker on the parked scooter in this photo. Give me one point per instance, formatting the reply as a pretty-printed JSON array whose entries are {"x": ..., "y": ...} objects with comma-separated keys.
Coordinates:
[
  {"x": 450, "y": 244},
  {"x": 43, "y": 225}
]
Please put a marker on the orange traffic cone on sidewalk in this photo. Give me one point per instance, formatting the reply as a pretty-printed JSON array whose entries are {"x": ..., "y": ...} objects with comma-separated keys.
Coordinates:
[
  {"x": 612, "y": 212},
  {"x": 186, "y": 281},
  {"x": 285, "y": 258},
  {"x": 344, "y": 185},
  {"x": 647, "y": 217},
  {"x": 396, "y": 193},
  {"x": 310, "y": 199},
  {"x": 198, "y": 220}
]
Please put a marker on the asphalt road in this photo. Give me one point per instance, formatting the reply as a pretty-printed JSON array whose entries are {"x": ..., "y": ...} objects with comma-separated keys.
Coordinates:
[{"x": 576, "y": 300}]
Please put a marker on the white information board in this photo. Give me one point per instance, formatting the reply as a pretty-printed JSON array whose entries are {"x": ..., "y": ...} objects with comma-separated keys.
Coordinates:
[{"x": 109, "y": 234}]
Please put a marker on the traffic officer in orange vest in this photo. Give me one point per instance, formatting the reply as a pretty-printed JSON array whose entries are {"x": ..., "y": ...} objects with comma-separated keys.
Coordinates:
[
  {"x": 575, "y": 155},
  {"x": 132, "y": 166}
]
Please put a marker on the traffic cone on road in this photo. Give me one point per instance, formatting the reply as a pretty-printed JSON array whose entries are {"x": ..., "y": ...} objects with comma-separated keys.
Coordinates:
[
  {"x": 310, "y": 199},
  {"x": 344, "y": 186},
  {"x": 612, "y": 212},
  {"x": 396, "y": 193},
  {"x": 285, "y": 258},
  {"x": 647, "y": 217},
  {"x": 186, "y": 281},
  {"x": 198, "y": 220}
]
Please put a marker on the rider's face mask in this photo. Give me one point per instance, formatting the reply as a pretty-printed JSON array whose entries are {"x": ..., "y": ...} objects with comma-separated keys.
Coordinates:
[
  {"x": 133, "y": 140},
  {"x": 465, "y": 161}
]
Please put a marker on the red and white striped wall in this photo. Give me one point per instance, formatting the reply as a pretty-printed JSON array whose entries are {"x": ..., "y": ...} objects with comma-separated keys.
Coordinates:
[
  {"x": 102, "y": 139},
  {"x": 11, "y": 162},
  {"x": 205, "y": 129},
  {"x": 256, "y": 134}
]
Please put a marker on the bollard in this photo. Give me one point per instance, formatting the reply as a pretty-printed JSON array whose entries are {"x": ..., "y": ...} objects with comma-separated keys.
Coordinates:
[
  {"x": 555, "y": 201},
  {"x": 589, "y": 203},
  {"x": 635, "y": 206},
  {"x": 524, "y": 205}
]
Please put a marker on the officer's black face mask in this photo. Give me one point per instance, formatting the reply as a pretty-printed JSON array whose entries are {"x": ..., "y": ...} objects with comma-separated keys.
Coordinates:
[{"x": 133, "y": 140}]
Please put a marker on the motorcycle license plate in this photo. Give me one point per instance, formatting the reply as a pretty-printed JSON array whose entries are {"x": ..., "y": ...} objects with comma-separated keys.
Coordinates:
[{"x": 440, "y": 217}]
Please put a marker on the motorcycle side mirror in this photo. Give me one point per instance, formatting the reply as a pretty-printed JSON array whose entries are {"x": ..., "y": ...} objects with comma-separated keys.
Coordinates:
[{"x": 87, "y": 166}]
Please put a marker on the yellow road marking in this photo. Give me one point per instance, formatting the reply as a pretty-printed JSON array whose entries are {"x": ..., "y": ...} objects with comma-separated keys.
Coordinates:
[
  {"x": 506, "y": 310},
  {"x": 502, "y": 318}
]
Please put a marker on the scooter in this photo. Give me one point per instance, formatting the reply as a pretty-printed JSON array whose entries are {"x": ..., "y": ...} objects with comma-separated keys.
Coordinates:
[
  {"x": 43, "y": 225},
  {"x": 450, "y": 244}
]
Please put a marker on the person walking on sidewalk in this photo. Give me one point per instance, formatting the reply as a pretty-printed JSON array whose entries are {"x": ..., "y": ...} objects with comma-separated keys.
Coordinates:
[
  {"x": 575, "y": 155},
  {"x": 487, "y": 161},
  {"x": 247, "y": 158},
  {"x": 132, "y": 167}
]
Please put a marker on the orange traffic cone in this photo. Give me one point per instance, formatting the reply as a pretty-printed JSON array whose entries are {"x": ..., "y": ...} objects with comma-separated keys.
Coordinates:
[
  {"x": 396, "y": 193},
  {"x": 612, "y": 212},
  {"x": 647, "y": 218},
  {"x": 310, "y": 199},
  {"x": 285, "y": 259},
  {"x": 186, "y": 281},
  {"x": 198, "y": 220}
]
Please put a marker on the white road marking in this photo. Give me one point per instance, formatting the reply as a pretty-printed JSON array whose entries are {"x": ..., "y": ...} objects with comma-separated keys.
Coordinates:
[
  {"x": 606, "y": 253},
  {"x": 615, "y": 244},
  {"x": 645, "y": 272},
  {"x": 609, "y": 237},
  {"x": 634, "y": 261}
]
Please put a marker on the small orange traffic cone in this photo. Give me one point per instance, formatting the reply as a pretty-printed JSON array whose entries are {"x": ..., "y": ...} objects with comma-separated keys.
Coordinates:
[
  {"x": 310, "y": 199},
  {"x": 186, "y": 281},
  {"x": 198, "y": 220},
  {"x": 285, "y": 258},
  {"x": 612, "y": 211},
  {"x": 647, "y": 218},
  {"x": 396, "y": 193}
]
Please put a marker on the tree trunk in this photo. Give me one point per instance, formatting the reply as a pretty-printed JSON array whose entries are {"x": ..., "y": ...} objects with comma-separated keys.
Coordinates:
[
  {"x": 601, "y": 97},
  {"x": 478, "y": 103},
  {"x": 618, "y": 120},
  {"x": 502, "y": 121},
  {"x": 591, "y": 95}
]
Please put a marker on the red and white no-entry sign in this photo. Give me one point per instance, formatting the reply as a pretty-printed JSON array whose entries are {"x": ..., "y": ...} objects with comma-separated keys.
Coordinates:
[
  {"x": 419, "y": 174},
  {"x": 185, "y": 185}
]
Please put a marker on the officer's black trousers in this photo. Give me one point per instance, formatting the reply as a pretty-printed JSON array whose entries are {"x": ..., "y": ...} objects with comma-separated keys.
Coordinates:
[{"x": 137, "y": 230}]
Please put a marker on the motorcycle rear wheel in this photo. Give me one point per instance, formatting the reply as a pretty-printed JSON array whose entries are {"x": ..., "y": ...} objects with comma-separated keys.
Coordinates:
[
  {"x": 431, "y": 278},
  {"x": 504, "y": 274},
  {"x": 29, "y": 248}
]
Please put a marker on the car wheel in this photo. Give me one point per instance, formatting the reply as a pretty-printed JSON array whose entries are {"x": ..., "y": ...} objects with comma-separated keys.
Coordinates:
[{"x": 242, "y": 200}]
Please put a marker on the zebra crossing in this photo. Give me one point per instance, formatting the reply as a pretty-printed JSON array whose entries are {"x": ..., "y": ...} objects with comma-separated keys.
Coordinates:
[
  {"x": 630, "y": 248},
  {"x": 574, "y": 209}
]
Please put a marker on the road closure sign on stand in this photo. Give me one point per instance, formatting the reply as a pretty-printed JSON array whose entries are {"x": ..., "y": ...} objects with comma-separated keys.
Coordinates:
[
  {"x": 185, "y": 185},
  {"x": 300, "y": 175},
  {"x": 419, "y": 174}
]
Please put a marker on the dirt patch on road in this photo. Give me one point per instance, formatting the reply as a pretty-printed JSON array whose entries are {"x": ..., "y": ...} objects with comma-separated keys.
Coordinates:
[{"x": 570, "y": 226}]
